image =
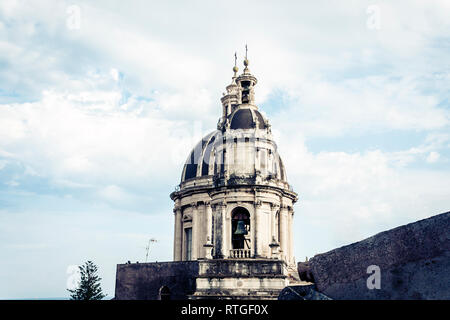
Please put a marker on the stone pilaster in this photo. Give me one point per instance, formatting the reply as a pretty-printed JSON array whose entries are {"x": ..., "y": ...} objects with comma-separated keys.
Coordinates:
[
  {"x": 274, "y": 226},
  {"x": 253, "y": 233},
  {"x": 208, "y": 245},
  {"x": 259, "y": 230},
  {"x": 177, "y": 247},
  {"x": 291, "y": 236},
  {"x": 208, "y": 220},
  {"x": 284, "y": 230},
  {"x": 219, "y": 229},
  {"x": 195, "y": 230}
]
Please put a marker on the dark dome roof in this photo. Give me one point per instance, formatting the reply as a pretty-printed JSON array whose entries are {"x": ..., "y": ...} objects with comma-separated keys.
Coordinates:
[
  {"x": 196, "y": 157},
  {"x": 207, "y": 158},
  {"x": 245, "y": 118}
]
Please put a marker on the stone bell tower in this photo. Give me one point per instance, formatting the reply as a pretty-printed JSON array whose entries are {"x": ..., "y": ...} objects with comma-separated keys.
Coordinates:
[
  {"x": 234, "y": 204},
  {"x": 233, "y": 214}
]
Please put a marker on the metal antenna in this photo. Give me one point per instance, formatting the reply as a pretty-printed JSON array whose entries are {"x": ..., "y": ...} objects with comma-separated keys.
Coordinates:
[{"x": 148, "y": 247}]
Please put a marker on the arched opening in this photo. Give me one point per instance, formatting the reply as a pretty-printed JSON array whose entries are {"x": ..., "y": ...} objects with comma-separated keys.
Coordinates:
[
  {"x": 240, "y": 228},
  {"x": 164, "y": 293}
]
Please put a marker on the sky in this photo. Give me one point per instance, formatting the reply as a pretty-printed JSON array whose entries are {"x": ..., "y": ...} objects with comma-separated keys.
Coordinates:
[{"x": 101, "y": 102}]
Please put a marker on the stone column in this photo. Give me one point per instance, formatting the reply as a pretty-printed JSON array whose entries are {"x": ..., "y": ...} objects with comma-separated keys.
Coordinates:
[
  {"x": 219, "y": 217},
  {"x": 259, "y": 237},
  {"x": 291, "y": 236},
  {"x": 274, "y": 208},
  {"x": 208, "y": 218},
  {"x": 284, "y": 231},
  {"x": 195, "y": 231},
  {"x": 253, "y": 234},
  {"x": 177, "y": 242},
  {"x": 226, "y": 232},
  {"x": 208, "y": 246}
]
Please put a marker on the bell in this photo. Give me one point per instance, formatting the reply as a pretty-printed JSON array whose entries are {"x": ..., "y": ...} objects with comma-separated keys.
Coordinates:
[{"x": 240, "y": 228}]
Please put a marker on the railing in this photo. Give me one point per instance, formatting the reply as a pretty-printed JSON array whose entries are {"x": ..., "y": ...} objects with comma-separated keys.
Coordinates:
[{"x": 239, "y": 253}]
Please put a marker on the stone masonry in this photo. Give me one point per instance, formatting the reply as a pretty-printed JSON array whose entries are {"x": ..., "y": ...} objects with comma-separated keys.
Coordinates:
[{"x": 414, "y": 262}]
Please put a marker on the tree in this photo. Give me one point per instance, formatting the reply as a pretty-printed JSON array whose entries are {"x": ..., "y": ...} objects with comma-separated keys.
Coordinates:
[{"x": 89, "y": 285}]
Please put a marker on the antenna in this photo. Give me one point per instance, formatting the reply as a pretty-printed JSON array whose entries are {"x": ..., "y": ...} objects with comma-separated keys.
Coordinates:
[{"x": 148, "y": 247}]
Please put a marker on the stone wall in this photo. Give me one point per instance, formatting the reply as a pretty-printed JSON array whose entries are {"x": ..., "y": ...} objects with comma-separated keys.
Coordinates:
[
  {"x": 241, "y": 279},
  {"x": 202, "y": 279},
  {"x": 142, "y": 281},
  {"x": 414, "y": 262}
]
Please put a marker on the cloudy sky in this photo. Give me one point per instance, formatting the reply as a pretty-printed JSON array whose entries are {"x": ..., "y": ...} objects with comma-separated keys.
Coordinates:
[{"x": 100, "y": 104}]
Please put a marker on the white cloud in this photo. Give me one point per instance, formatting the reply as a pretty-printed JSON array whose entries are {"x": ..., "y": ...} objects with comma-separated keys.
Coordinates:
[
  {"x": 114, "y": 74},
  {"x": 87, "y": 138},
  {"x": 347, "y": 196},
  {"x": 433, "y": 157},
  {"x": 323, "y": 108}
]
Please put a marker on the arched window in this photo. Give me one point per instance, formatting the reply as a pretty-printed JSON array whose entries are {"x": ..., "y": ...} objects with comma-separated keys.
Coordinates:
[
  {"x": 240, "y": 228},
  {"x": 164, "y": 293}
]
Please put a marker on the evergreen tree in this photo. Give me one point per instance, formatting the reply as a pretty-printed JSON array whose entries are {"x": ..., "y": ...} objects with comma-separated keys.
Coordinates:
[{"x": 89, "y": 286}]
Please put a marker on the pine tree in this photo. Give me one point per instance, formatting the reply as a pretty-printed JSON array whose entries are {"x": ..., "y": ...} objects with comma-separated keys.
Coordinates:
[{"x": 89, "y": 286}]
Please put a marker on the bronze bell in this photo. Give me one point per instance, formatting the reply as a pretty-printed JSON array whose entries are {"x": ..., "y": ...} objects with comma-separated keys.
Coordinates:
[{"x": 240, "y": 228}]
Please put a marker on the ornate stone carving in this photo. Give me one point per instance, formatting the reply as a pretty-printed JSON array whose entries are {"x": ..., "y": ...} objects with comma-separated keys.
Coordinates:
[{"x": 274, "y": 206}]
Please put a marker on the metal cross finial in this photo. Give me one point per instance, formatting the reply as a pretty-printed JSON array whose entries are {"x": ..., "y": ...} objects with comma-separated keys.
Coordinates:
[
  {"x": 245, "y": 51},
  {"x": 235, "y": 58}
]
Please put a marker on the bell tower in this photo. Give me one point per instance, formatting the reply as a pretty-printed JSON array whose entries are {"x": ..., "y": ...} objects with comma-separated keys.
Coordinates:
[
  {"x": 233, "y": 211},
  {"x": 234, "y": 203}
]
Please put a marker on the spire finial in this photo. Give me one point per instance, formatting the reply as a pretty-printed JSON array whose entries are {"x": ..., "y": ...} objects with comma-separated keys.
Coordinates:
[
  {"x": 246, "y": 60},
  {"x": 235, "y": 68}
]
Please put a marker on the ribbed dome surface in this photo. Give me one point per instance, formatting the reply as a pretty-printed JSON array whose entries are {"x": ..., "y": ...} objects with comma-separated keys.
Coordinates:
[
  {"x": 246, "y": 119},
  {"x": 239, "y": 155}
]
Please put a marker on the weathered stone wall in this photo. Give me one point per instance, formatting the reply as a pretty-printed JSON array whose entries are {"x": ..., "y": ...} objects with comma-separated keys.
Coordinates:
[
  {"x": 414, "y": 262},
  {"x": 243, "y": 268},
  {"x": 142, "y": 281},
  {"x": 202, "y": 279},
  {"x": 301, "y": 292},
  {"x": 241, "y": 279}
]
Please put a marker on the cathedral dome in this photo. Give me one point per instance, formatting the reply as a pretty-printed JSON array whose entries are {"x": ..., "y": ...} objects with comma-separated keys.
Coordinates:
[
  {"x": 240, "y": 155},
  {"x": 242, "y": 150},
  {"x": 197, "y": 163}
]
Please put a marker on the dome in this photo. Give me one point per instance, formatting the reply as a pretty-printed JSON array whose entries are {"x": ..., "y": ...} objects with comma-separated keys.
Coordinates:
[
  {"x": 239, "y": 155},
  {"x": 246, "y": 118},
  {"x": 196, "y": 159}
]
